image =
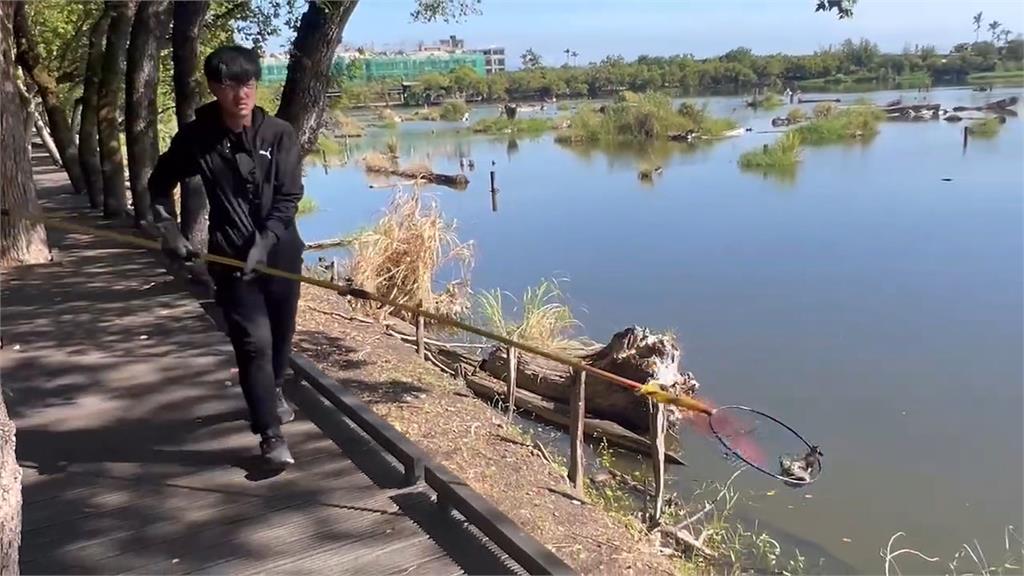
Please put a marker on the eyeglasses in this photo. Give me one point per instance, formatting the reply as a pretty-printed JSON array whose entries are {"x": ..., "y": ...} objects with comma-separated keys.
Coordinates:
[{"x": 236, "y": 87}]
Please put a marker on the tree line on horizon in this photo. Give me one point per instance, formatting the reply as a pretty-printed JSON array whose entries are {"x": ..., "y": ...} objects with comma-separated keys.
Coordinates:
[{"x": 738, "y": 70}]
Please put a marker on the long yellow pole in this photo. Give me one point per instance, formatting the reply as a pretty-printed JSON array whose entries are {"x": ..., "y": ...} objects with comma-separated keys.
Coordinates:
[{"x": 652, "y": 391}]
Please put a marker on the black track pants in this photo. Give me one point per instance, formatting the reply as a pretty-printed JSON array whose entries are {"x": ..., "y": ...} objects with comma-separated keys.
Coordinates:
[{"x": 260, "y": 317}]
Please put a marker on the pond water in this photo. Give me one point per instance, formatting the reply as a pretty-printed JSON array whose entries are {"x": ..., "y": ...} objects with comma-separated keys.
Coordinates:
[{"x": 865, "y": 300}]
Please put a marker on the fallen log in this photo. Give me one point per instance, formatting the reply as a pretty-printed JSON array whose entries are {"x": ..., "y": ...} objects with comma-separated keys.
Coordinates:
[
  {"x": 998, "y": 106},
  {"x": 634, "y": 353},
  {"x": 816, "y": 100},
  {"x": 378, "y": 164},
  {"x": 328, "y": 243},
  {"x": 915, "y": 108}
]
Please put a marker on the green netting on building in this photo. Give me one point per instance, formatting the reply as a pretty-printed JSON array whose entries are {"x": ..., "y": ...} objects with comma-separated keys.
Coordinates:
[
  {"x": 386, "y": 67},
  {"x": 274, "y": 71},
  {"x": 412, "y": 67}
]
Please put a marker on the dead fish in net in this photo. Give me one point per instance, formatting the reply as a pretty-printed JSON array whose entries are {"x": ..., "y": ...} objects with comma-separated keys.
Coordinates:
[{"x": 798, "y": 471}]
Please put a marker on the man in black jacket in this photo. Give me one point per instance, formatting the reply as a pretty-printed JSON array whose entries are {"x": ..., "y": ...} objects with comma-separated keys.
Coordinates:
[{"x": 250, "y": 166}]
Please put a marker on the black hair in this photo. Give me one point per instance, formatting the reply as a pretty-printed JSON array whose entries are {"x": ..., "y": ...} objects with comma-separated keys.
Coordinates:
[{"x": 232, "y": 64}]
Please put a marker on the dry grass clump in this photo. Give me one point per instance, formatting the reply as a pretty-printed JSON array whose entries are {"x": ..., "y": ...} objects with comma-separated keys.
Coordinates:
[{"x": 399, "y": 257}]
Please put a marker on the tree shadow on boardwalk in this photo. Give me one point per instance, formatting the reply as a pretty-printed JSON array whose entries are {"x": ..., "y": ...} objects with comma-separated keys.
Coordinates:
[{"x": 136, "y": 457}]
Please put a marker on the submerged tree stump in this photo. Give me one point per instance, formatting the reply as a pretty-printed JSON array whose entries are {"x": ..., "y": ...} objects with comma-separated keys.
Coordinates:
[{"x": 634, "y": 353}]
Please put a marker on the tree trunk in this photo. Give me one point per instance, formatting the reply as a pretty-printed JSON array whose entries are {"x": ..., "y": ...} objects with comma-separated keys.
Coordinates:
[
  {"x": 304, "y": 96},
  {"x": 140, "y": 107},
  {"x": 633, "y": 353},
  {"x": 188, "y": 24},
  {"x": 44, "y": 134},
  {"x": 27, "y": 55},
  {"x": 88, "y": 136},
  {"x": 109, "y": 105},
  {"x": 21, "y": 241},
  {"x": 76, "y": 124},
  {"x": 10, "y": 495}
]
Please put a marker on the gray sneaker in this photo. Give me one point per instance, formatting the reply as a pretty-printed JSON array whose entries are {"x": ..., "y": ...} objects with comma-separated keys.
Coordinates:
[
  {"x": 284, "y": 411},
  {"x": 275, "y": 451}
]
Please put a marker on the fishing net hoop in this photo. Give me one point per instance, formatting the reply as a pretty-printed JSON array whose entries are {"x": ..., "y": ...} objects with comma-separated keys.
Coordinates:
[{"x": 815, "y": 473}]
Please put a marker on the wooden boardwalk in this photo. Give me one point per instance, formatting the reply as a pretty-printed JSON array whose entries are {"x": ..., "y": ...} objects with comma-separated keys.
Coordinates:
[{"x": 136, "y": 457}]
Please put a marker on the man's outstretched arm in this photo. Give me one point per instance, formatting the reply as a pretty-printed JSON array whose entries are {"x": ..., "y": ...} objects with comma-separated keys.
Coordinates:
[{"x": 177, "y": 163}]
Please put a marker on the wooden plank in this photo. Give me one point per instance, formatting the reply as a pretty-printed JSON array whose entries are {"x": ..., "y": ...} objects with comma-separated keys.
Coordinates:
[
  {"x": 577, "y": 406},
  {"x": 335, "y": 538},
  {"x": 410, "y": 455},
  {"x": 520, "y": 546},
  {"x": 217, "y": 538},
  {"x": 513, "y": 355},
  {"x": 420, "y": 344}
]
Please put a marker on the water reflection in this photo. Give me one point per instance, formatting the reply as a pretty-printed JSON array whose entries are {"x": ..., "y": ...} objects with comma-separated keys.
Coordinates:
[{"x": 783, "y": 174}]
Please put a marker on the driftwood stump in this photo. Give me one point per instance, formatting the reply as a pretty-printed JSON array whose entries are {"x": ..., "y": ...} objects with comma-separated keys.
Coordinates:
[{"x": 634, "y": 353}]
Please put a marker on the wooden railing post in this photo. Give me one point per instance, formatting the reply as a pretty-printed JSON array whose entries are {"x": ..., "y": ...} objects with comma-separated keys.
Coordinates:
[
  {"x": 512, "y": 368},
  {"x": 657, "y": 420},
  {"x": 577, "y": 407},
  {"x": 421, "y": 348}
]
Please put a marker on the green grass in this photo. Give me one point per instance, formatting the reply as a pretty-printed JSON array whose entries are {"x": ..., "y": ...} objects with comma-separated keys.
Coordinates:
[
  {"x": 307, "y": 206},
  {"x": 519, "y": 126},
  {"x": 546, "y": 320},
  {"x": 769, "y": 101},
  {"x": 1006, "y": 76},
  {"x": 783, "y": 153},
  {"x": 426, "y": 115},
  {"x": 641, "y": 117},
  {"x": 986, "y": 128},
  {"x": 842, "y": 126}
]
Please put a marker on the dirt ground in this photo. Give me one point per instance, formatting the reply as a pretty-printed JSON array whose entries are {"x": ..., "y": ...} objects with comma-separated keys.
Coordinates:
[{"x": 470, "y": 437}]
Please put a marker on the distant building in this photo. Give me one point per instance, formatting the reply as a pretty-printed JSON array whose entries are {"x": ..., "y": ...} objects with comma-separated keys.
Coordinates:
[{"x": 494, "y": 59}]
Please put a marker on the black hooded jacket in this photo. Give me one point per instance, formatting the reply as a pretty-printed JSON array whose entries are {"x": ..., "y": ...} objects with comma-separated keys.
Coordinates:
[{"x": 253, "y": 180}]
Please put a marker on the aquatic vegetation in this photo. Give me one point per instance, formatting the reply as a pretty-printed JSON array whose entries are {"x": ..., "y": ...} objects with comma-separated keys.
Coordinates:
[
  {"x": 503, "y": 125},
  {"x": 843, "y": 125},
  {"x": 328, "y": 146},
  {"x": 454, "y": 110},
  {"x": 783, "y": 153},
  {"x": 391, "y": 147},
  {"x": 769, "y": 101},
  {"x": 987, "y": 127},
  {"x": 546, "y": 320},
  {"x": 641, "y": 117},
  {"x": 825, "y": 110},
  {"x": 425, "y": 115},
  {"x": 400, "y": 255},
  {"x": 796, "y": 115}
]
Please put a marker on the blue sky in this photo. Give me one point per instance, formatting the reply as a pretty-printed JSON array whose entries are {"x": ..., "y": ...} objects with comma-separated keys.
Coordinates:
[{"x": 596, "y": 28}]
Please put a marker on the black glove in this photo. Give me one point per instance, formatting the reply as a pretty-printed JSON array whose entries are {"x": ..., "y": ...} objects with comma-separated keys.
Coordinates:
[
  {"x": 258, "y": 253},
  {"x": 172, "y": 243}
]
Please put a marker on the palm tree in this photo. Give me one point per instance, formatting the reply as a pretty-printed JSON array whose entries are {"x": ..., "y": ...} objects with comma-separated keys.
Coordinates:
[
  {"x": 567, "y": 52},
  {"x": 977, "y": 25},
  {"x": 993, "y": 29},
  {"x": 574, "y": 55},
  {"x": 1005, "y": 34}
]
